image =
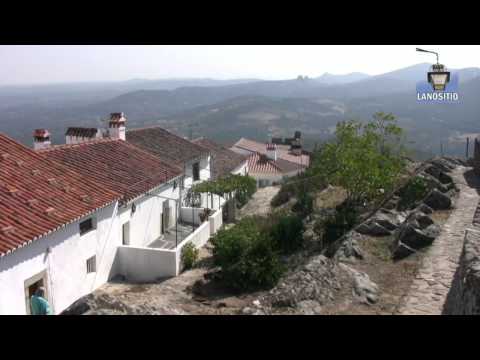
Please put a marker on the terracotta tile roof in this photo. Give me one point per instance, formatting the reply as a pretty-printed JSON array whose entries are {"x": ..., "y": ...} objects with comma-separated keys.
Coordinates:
[
  {"x": 224, "y": 160},
  {"x": 260, "y": 164},
  {"x": 38, "y": 196},
  {"x": 115, "y": 164},
  {"x": 82, "y": 132},
  {"x": 283, "y": 151},
  {"x": 165, "y": 145}
]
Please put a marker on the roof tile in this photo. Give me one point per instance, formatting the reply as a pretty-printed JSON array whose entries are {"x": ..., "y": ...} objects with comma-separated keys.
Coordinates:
[
  {"x": 116, "y": 164},
  {"x": 165, "y": 145},
  {"x": 22, "y": 216}
]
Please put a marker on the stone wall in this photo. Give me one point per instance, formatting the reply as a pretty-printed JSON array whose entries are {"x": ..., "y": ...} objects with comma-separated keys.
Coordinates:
[
  {"x": 476, "y": 156},
  {"x": 464, "y": 295}
]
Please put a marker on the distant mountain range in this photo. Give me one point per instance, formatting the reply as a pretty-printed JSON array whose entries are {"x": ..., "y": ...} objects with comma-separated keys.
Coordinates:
[
  {"x": 228, "y": 109},
  {"x": 330, "y": 79}
]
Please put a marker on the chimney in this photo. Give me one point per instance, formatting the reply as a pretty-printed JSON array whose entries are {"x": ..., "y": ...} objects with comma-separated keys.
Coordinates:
[
  {"x": 116, "y": 126},
  {"x": 272, "y": 151},
  {"x": 296, "y": 144},
  {"x": 41, "y": 139}
]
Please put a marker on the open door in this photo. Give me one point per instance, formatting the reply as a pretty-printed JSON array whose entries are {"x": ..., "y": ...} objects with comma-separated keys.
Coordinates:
[
  {"x": 165, "y": 216},
  {"x": 31, "y": 285}
]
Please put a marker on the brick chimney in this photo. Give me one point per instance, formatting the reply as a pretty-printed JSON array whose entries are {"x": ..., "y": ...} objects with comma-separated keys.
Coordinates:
[
  {"x": 41, "y": 139},
  {"x": 272, "y": 151},
  {"x": 117, "y": 126}
]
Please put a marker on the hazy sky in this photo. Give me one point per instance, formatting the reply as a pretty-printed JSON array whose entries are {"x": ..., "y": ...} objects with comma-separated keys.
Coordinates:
[{"x": 68, "y": 63}]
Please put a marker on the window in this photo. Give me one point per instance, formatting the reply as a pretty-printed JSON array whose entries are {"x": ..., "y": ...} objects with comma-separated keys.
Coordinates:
[
  {"x": 196, "y": 171},
  {"x": 86, "y": 226},
  {"x": 92, "y": 265}
]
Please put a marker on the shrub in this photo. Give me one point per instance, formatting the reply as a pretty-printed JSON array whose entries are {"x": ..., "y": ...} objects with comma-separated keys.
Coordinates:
[
  {"x": 286, "y": 192},
  {"x": 247, "y": 255},
  {"x": 415, "y": 190},
  {"x": 189, "y": 256},
  {"x": 334, "y": 227},
  {"x": 287, "y": 234},
  {"x": 304, "y": 204}
]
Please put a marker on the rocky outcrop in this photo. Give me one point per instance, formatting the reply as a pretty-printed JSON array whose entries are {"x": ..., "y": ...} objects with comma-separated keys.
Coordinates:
[
  {"x": 438, "y": 201},
  {"x": 306, "y": 289},
  {"x": 349, "y": 249},
  {"x": 417, "y": 232},
  {"x": 99, "y": 303},
  {"x": 383, "y": 223},
  {"x": 364, "y": 289}
]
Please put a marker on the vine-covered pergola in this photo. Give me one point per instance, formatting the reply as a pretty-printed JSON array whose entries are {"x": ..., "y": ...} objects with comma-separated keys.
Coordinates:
[{"x": 242, "y": 186}]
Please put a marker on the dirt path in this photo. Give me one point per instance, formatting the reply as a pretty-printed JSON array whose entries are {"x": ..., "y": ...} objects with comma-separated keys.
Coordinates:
[
  {"x": 259, "y": 204},
  {"x": 430, "y": 287}
]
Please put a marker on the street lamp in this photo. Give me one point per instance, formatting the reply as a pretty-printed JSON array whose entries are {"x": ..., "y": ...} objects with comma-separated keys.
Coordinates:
[{"x": 438, "y": 77}]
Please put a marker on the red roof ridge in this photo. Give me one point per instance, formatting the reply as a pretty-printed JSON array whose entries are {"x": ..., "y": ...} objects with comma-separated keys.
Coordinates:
[{"x": 270, "y": 161}]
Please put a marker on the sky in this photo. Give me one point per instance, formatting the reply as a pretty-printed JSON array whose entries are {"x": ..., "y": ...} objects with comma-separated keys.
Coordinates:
[{"x": 45, "y": 64}]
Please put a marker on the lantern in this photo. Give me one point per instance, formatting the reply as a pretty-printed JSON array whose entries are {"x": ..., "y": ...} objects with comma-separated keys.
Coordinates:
[{"x": 438, "y": 77}]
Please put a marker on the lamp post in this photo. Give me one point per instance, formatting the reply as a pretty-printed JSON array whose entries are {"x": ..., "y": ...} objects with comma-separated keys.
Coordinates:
[{"x": 438, "y": 77}]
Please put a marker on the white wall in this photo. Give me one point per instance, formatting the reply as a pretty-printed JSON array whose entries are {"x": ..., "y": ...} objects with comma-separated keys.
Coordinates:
[
  {"x": 145, "y": 223},
  {"x": 204, "y": 171},
  {"x": 65, "y": 265},
  {"x": 241, "y": 169},
  {"x": 271, "y": 178},
  {"x": 139, "y": 264},
  {"x": 216, "y": 222},
  {"x": 143, "y": 264}
]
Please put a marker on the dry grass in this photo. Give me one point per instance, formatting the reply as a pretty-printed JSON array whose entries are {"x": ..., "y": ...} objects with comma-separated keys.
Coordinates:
[{"x": 330, "y": 197}]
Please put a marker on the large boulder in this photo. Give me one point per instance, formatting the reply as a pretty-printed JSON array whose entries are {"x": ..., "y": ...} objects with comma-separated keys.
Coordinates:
[
  {"x": 419, "y": 219},
  {"x": 438, "y": 201},
  {"x": 414, "y": 235},
  {"x": 383, "y": 223},
  {"x": 444, "y": 164},
  {"x": 417, "y": 238},
  {"x": 438, "y": 174},
  {"x": 401, "y": 251},
  {"x": 365, "y": 290},
  {"x": 316, "y": 281},
  {"x": 373, "y": 228},
  {"x": 434, "y": 183}
]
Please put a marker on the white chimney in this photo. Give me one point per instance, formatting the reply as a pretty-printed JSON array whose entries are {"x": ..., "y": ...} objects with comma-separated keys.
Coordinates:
[
  {"x": 117, "y": 126},
  {"x": 41, "y": 139},
  {"x": 272, "y": 151}
]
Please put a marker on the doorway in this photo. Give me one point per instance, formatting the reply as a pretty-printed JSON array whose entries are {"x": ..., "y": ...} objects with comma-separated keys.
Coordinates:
[
  {"x": 126, "y": 234},
  {"x": 165, "y": 220},
  {"x": 31, "y": 286}
]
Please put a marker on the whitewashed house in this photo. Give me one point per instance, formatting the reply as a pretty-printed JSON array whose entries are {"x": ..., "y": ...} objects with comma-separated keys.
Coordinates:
[
  {"x": 195, "y": 160},
  {"x": 56, "y": 230},
  {"x": 74, "y": 216},
  {"x": 224, "y": 161},
  {"x": 272, "y": 163}
]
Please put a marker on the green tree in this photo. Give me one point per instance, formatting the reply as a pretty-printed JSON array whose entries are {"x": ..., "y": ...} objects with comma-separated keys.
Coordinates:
[{"x": 365, "y": 159}]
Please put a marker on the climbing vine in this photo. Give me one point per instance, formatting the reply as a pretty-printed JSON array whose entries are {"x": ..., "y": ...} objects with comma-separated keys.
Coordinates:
[{"x": 243, "y": 187}]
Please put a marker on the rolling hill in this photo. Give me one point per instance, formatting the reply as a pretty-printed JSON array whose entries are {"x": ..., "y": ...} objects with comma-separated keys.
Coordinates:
[{"x": 253, "y": 108}]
